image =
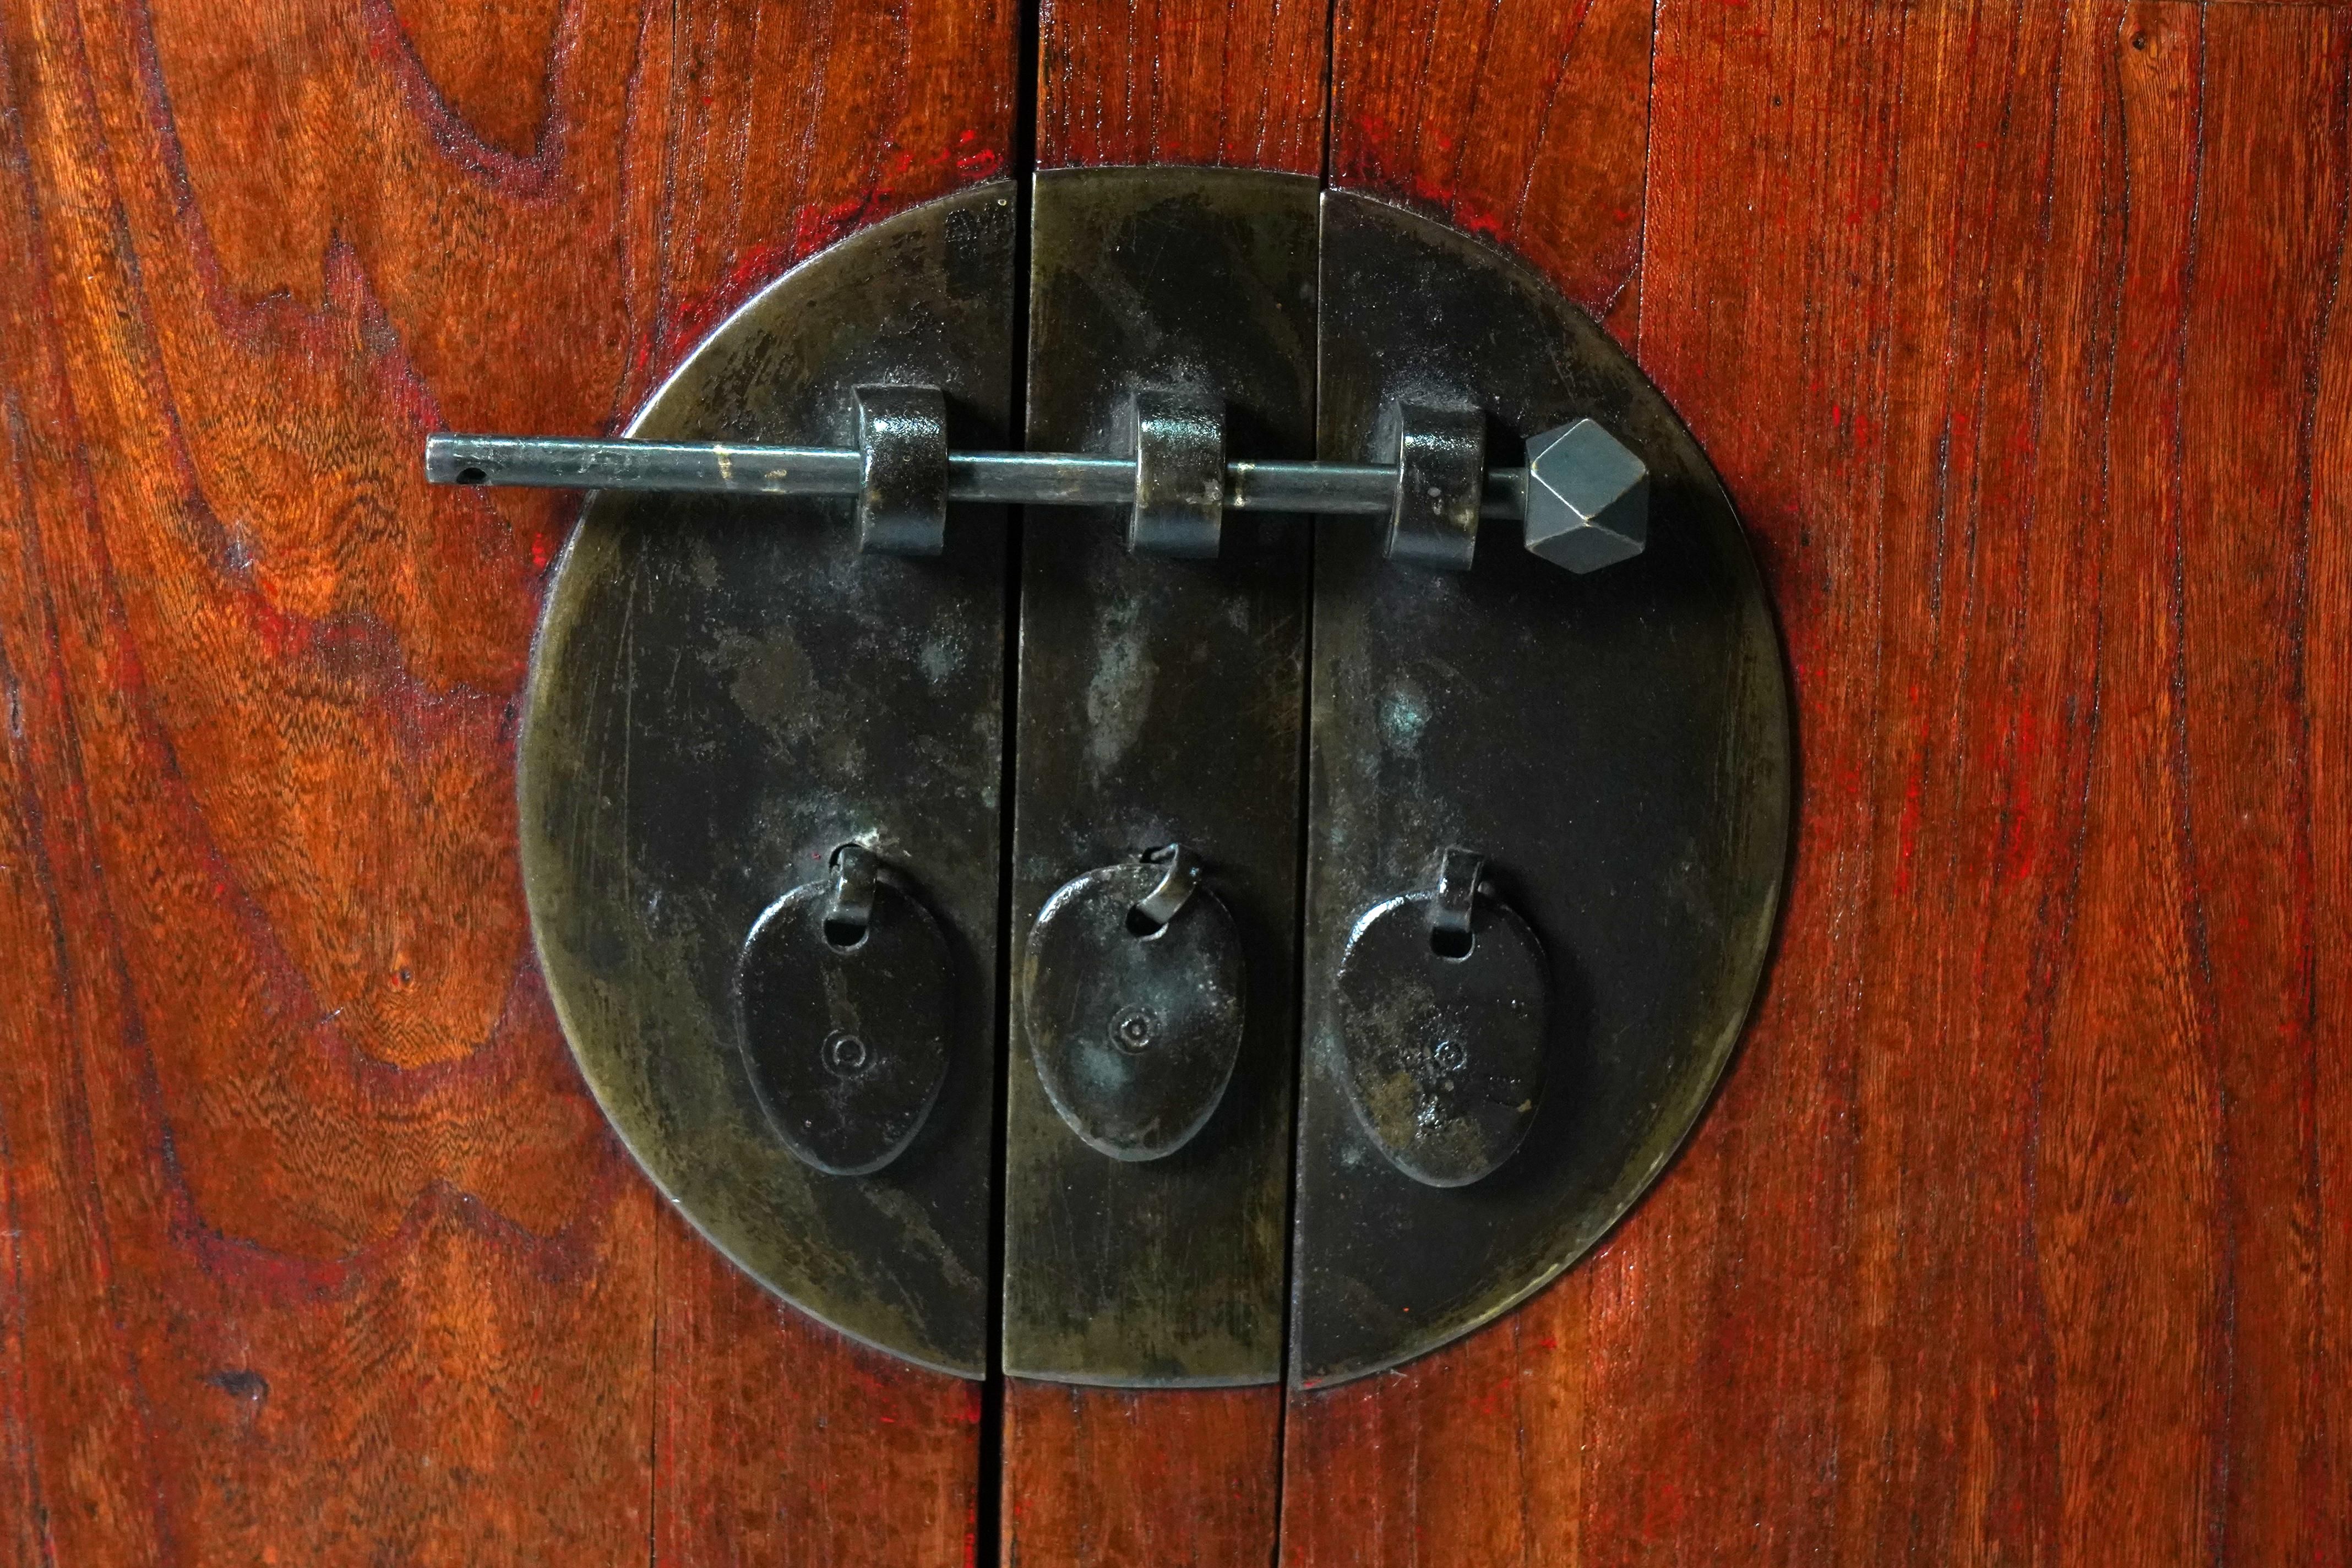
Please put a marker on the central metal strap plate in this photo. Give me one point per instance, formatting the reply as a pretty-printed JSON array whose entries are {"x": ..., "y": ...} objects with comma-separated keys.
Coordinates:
[{"x": 1161, "y": 692}]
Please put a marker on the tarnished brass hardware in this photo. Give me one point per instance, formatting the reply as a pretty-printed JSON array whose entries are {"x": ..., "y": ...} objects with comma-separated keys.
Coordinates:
[
  {"x": 1160, "y": 701},
  {"x": 1014, "y": 478},
  {"x": 1619, "y": 742},
  {"x": 1440, "y": 470},
  {"x": 902, "y": 481},
  {"x": 845, "y": 996},
  {"x": 766, "y": 801},
  {"x": 1179, "y": 878},
  {"x": 1445, "y": 1000},
  {"x": 1179, "y": 473},
  {"x": 1133, "y": 986},
  {"x": 1587, "y": 497},
  {"x": 715, "y": 706}
]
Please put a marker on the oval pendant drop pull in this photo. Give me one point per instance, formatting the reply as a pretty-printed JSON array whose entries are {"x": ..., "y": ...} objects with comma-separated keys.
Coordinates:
[
  {"x": 1133, "y": 982},
  {"x": 1445, "y": 998},
  {"x": 844, "y": 991}
]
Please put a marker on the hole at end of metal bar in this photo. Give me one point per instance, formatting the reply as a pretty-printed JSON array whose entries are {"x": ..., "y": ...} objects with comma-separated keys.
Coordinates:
[
  {"x": 1456, "y": 945},
  {"x": 471, "y": 476}
]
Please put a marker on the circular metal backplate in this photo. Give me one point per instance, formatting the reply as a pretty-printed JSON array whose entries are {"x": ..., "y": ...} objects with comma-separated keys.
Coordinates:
[{"x": 724, "y": 691}]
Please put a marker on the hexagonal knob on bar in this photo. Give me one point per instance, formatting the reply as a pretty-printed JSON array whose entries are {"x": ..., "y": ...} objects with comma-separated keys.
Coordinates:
[{"x": 1587, "y": 497}]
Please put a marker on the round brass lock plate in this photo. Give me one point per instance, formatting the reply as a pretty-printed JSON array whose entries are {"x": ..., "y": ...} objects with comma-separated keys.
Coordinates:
[{"x": 727, "y": 690}]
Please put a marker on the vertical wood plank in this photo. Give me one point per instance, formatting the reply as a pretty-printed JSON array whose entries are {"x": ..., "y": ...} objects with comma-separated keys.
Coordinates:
[
  {"x": 2325, "y": 472},
  {"x": 315, "y": 1248},
  {"x": 1098, "y": 1478},
  {"x": 781, "y": 1442},
  {"x": 1109, "y": 1477},
  {"x": 1235, "y": 83},
  {"x": 1524, "y": 121},
  {"x": 2258, "y": 670},
  {"x": 2013, "y": 332}
]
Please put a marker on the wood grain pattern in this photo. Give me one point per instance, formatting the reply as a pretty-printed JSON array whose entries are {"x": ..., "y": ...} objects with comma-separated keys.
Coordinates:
[
  {"x": 2011, "y": 1235},
  {"x": 2021, "y": 1227},
  {"x": 1523, "y": 121},
  {"x": 778, "y": 1442},
  {"x": 1236, "y": 83},
  {"x": 1109, "y": 1478},
  {"x": 314, "y": 1247}
]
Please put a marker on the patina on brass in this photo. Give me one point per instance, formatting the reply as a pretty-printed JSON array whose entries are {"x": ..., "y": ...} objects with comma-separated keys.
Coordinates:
[
  {"x": 845, "y": 995},
  {"x": 1133, "y": 1016},
  {"x": 1616, "y": 745},
  {"x": 726, "y": 690}
]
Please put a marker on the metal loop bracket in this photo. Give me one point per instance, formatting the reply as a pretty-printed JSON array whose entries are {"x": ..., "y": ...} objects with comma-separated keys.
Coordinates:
[
  {"x": 1152, "y": 911},
  {"x": 1454, "y": 900},
  {"x": 1179, "y": 474},
  {"x": 849, "y": 904},
  {"x": 1440, "y": 476},
  {"x": 902, "y": 487}
]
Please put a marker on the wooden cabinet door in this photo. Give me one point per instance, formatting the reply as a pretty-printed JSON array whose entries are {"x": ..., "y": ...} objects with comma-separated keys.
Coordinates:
[
  {"x": 2021, "y": 1227},
  {"x": 316, "y": 1248}
]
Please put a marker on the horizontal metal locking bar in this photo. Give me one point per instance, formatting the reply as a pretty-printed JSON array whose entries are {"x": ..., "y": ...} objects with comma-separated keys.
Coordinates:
[
  {"x": 1004, "y": 479},
  {"x": 1582, "y": 497}
]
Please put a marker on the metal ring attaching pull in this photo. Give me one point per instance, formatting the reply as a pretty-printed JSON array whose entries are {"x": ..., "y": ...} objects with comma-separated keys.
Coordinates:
[
  {"x": 1453, "y": 901},
  {"x": 849, "y": 904},
  {"x": 1157, "y": 908}
]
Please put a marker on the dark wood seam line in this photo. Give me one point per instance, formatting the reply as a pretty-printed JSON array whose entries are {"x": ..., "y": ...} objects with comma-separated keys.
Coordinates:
[
  {"x": 1285, "y": 1393},
  {"x": 989, "y": 1510}
]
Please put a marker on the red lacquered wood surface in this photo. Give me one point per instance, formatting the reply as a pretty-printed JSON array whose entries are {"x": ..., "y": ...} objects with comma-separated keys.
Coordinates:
[
  {"x": 1524, "y": 122},
  {"x": 1237, "y": 83},
  {"x": 2020, "y": 1229},
  {"x": 1110, "y": 1478},
  {"x": 315, "y": 1248}
]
